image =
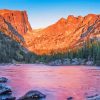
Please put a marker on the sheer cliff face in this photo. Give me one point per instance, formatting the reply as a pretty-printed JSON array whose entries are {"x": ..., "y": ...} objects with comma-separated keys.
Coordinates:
[
  {"x": 17, "y": 19},
  {"x": 65, "y": 34}
]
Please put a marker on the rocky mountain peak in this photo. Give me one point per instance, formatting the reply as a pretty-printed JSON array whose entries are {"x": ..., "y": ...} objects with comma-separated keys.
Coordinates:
[
  {"x": 18, "y": 19},
  {"x": 65, "y": 34},
  {"x": 61, "y": 21}
]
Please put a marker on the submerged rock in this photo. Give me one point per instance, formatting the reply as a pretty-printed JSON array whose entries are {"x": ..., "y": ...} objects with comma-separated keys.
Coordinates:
[
  {"x": 93, "y": 97},
  {"x": 70, "y": 98},
  {"x": 3, "y": 80},
  {"x": 33, "y": 95}
]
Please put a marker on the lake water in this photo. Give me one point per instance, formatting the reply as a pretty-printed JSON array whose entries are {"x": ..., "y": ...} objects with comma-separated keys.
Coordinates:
[{"x": 57, "y": 82}]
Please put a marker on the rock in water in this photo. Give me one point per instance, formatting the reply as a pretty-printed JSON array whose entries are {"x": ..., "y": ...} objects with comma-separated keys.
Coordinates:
[
  {"x": 33, "y": 95},
  {"x": 7, "y": 97},
  {"x": 3, "y": 79},
  {"x": 4, "y": 89},
  {"x": 6, "y": 93},
  {"x": 70, "y": 98},
  {"x": 93, "y": 97}
]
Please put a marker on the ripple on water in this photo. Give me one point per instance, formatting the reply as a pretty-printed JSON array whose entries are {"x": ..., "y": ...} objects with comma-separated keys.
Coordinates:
[{"x": 58, "y": 83}]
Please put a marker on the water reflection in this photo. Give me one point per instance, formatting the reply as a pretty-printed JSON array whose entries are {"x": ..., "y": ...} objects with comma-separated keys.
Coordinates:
[{"x": 57, "y": 83}]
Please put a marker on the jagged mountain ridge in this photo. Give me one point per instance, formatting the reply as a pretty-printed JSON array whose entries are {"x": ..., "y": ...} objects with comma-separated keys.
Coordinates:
[{"x": 65, "y": 34}]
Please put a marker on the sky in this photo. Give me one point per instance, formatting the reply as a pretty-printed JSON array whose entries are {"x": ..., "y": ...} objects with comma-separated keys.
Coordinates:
[{"x": 42, "y": 13}]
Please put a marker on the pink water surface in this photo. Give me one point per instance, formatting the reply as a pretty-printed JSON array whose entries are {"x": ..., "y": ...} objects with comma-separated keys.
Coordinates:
[{"x": 57, "y": 82}]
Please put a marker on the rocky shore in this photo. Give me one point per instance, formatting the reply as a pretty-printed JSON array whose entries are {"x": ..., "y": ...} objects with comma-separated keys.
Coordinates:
[
  {"x": 59, "y": 62},
  {"x": 6, "y": 93},
  {"x": 68, "y": 62}
]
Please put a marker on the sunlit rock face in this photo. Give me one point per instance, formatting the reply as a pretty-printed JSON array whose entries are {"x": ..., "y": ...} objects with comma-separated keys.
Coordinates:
[
  {"x": 13, "y": 25},
  {"x": 65, "y": 34},
  {"x": 18, "y": 19},
  {"x": 9, "y": 30}
]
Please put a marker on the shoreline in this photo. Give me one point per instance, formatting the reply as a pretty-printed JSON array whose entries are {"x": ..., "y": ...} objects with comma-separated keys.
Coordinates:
[{"x": 44, "y": 64}]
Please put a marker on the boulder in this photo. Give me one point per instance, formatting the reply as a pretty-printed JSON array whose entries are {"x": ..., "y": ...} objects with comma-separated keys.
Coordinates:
[
  {"x": 70, "y": 98},
  {"x": 82, "y": 61},
  {"x": 66, "y": 61},
  {"x": 6, "y": 93},
  {"x": 89, "y": 63},
  {"x": 75, "y": 61},
  {"x": 7, "y": 97},
  {"x": 4, "y": 89},
  {"x": 93, "y": 97},
  {"x": 33, "y": 95},
  {"x": 57, "y": 62},
  {"x": 3, "y": 79}
]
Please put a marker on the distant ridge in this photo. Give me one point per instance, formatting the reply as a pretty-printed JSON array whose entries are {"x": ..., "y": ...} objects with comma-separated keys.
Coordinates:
[{"x": 64, "y": 34}]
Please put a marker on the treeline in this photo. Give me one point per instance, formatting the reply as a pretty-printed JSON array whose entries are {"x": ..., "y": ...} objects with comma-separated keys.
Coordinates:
[
  {"x": 90, "y": 51},
  {"x": 12, "y": 52}
]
